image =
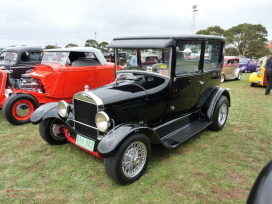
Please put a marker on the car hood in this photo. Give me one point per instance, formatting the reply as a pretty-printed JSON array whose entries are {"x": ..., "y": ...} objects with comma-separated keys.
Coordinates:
[
  {"x": 6, "y": 63},
  {"x": 46, "y": 69},
  {"x": 120, "y": 93}
]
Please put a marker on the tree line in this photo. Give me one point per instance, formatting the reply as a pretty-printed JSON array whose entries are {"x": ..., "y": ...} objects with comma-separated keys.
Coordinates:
[
  {"x": 243, "y": 40},
  {"x": 89, "y": 43}
]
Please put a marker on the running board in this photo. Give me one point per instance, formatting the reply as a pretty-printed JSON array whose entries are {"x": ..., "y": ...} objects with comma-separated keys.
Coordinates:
[{"x": 175, "y": 138}]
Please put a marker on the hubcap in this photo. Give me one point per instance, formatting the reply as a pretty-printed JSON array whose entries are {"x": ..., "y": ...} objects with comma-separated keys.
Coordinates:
[
  {"x": 56, "y": 131},
  {"x": 22, "y": 109},
  {"x": 134, "y": 159},
  {"x": 223, "y": 113}
]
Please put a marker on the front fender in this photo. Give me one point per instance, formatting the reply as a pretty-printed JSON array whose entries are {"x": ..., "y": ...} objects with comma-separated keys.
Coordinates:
[
  {"x": 109, "y": 143},
  {"x": 254, "y": 78},
  {"x": 49, "y": 110}
]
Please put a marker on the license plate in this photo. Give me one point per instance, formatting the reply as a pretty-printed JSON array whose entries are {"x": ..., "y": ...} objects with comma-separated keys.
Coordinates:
[
  {"x": 85, "y": 143},
  {"x": 163, "y": 66}
]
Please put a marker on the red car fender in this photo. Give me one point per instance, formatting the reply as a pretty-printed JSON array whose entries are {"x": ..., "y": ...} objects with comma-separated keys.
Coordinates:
[{"x": 3, "y": 82}]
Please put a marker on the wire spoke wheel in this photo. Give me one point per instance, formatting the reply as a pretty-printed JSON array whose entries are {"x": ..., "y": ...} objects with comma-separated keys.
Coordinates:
[{"x": 134, "y": 159}]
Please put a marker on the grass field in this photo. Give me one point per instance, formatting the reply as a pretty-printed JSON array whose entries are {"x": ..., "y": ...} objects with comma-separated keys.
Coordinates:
[{"x": 212, "y": 167}]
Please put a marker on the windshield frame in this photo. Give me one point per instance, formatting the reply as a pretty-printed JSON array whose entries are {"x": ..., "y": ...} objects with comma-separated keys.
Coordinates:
[{"x": 163, "y": 67}]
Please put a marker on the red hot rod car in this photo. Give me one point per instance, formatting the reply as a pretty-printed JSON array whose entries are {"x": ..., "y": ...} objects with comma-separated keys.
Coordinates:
[{"x": 61, "y": 74}]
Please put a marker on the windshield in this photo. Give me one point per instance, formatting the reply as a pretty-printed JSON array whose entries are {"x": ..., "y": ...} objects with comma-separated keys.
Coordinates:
[
  {"x": 243, "y": 61},
  {"x": 9, "y": 56},
  {"x": 55, "y": 57},
  {"x": 149, "y": 60}
]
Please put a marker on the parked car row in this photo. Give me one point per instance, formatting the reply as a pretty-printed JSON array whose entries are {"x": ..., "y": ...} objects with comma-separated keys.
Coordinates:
[{"x": 61, "y": 73}]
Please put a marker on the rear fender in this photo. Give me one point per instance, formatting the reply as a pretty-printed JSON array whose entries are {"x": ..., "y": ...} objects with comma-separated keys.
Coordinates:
[
  {"x": 111, "y": 141},
  {"x": 210, "y": 103}
]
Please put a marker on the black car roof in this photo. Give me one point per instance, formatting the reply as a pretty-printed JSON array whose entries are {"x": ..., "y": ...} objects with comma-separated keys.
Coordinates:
[{"x": 157, "y": 41}]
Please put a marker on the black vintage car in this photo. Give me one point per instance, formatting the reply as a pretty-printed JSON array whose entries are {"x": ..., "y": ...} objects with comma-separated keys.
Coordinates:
[
  {"x": 17, "y": 60},
  {"x": 162, "y": 103}
]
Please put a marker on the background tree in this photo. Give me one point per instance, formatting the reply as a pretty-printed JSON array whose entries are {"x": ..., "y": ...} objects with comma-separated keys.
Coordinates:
[
  {"x": 103, "y": 47},
  {"x": 51, "y": 46},
  {"x": 91, "y": 43},
  {"x": 71, "y": 45},
  {"x": 246, "y": 39},
  {"x": 212, "y": 30}
]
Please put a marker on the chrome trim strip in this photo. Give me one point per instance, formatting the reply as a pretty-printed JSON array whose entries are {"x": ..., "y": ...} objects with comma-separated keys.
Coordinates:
[
  {"x": 90, "y": 96},
  {"x": 84, "y": 124}
]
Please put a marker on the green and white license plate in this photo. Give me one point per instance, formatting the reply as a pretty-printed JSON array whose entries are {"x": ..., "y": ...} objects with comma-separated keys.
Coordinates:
[{"x": 85, "y": 143}]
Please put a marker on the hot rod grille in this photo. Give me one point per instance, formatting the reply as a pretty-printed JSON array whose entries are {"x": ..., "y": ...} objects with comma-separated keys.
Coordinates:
[
  {"x": 85, "y": 130},
  {"x": 84, "y": 113}
]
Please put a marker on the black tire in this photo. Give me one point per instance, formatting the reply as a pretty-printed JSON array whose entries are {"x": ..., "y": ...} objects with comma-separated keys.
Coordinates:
[
  {"x": 18, "y": 108},
  {"x": 252, "y": 84},
  {"x": 239, "y": 76},
  {"x": 50, "y": 131},
  {"x": 220, "y": 114},
  {"x": 137, "y": 144},
  {"x": 222, "y": 78}
]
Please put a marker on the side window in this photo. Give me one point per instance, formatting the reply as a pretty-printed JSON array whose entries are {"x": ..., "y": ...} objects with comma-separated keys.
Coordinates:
[
  {"x": 187, "y": 57},
  {"x": 35, "y": 56},
  {"x": 2, "y": 55},
  {"x": 31, "y": 56},
  {"x": 211, "y": 56}
]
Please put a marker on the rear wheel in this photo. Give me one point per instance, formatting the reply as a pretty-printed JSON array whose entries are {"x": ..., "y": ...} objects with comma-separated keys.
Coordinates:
[
  {"x": 239, "y": 76},
  {"x": 222, "y": 78},
  {"x": 130, "y": 160},
  {"x": 51, "y": 131},
  {"x": 18, "y": 108},
  {"x": 220, "y": 114}
]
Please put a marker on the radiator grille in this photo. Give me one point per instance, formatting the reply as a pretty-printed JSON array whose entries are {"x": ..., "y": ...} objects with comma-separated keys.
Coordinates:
[{"x": 84, "y": 113}]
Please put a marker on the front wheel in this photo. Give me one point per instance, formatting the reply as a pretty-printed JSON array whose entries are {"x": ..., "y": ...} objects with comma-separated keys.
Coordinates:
[
  {"x": 220, "y": 114},
  {"x": 51, "y": 131},
  {"x": 18, "y": 108},
  {"x": 130, "y": 160}
]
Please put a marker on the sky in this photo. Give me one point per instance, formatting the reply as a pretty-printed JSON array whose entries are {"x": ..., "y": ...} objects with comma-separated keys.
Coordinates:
[{"x": 60, "y": 22}]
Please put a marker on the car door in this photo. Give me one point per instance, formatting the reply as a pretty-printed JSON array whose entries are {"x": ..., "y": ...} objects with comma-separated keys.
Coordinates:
[
  {"x": 211, "y": 66},
  {"x": 187, "y": 79}
]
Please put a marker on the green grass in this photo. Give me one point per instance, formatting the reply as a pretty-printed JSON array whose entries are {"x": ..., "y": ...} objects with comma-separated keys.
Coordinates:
[{"x": 212, "y": 167}]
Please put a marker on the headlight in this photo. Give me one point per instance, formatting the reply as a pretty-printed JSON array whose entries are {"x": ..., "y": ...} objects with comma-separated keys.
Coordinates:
[
  {"x": 102, "y": 121},
  {"x": 259, "y": 73},
  {"x": 63, "y": 109},
  {"x": 8, "y": 92}
]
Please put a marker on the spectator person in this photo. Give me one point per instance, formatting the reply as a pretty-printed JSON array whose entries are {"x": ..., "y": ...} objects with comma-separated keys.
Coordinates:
[
  {"x": 133, "y": 60},
  {"x": 268, "y": 70}
]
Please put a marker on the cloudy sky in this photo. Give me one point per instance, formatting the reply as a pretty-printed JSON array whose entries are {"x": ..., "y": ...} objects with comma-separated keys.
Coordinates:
[{"x": 51, "y": 22}]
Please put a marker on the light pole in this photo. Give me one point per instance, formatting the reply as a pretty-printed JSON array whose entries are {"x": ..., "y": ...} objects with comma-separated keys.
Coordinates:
[{"x": 194, "y": 7}]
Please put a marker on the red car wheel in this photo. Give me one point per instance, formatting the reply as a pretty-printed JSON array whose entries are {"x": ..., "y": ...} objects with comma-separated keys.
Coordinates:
[{"x": 18, "y": 108}]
